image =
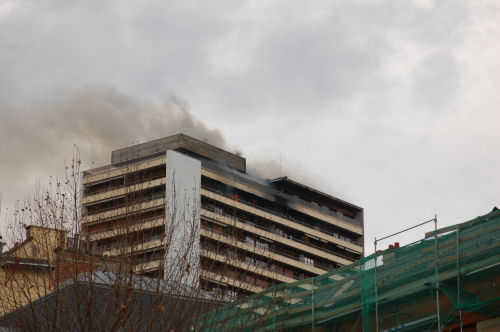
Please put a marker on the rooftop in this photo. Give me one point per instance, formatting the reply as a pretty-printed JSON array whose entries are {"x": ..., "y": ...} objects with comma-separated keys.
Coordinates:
[
  {"x": 177, "y": 142},
  {"x": 305, "y": 192}
]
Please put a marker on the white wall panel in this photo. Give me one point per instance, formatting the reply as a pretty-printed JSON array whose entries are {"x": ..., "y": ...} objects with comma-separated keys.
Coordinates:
[{"x": 182, "y": 218}]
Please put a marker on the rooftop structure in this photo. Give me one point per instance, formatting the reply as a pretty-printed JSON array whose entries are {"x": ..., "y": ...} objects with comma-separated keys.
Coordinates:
[
  {"x": 180, "y": 142},
  {"x": 162, "y": 201}
]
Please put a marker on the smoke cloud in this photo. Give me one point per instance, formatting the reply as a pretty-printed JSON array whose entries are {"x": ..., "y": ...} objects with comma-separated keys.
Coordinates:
[{"x": 38, "y": 137}]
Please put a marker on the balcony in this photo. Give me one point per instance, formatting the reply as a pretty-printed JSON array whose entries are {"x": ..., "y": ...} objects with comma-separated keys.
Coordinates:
[
  {"x": 121, "y": 230},
  {"x": 110, "y": 171},
  {"x": 267, "y": 253},
  {"x": 285, "y": 221},
  {"x": 122, "y": 189},
  {"x": 295, "y": 202},
  {"x": 132, "y": 209},
  {"x": 260, "y": 269},
  {"x": 270, "y": 234},
  {"x": 204, "y": 274}
]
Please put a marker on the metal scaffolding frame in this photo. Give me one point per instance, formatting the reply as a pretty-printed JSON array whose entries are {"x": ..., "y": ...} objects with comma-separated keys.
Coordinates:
[
  {"x": 436, "y": 269},
  {"x": 427, "y": 285}
]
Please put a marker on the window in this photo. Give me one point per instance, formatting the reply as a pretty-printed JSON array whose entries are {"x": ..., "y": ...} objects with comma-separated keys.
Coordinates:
[
  {"x": 256, "y": 262},
  {"x": 260, "y": 263},
  {"x": 249, "y": 241},
  {"x": 231, "y": 294},
  {"x": 307, "y": 260},
  {"x": 263, "y": 245},
  {"x": 34, "y": 252}
]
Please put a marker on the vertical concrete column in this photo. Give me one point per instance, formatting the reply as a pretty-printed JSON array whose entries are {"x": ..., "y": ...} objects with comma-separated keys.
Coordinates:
[{"x": 182, "y": 219}]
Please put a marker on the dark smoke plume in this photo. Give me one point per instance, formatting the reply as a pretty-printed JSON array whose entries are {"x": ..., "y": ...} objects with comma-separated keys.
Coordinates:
[{"x": 37, "y": 138}]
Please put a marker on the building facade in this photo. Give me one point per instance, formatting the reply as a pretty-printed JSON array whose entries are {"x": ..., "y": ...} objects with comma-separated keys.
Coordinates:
[
  {"x": 183, "y": 209},
  {"x": 26, "y": 268},
  {"x": 34, "y": 267}
]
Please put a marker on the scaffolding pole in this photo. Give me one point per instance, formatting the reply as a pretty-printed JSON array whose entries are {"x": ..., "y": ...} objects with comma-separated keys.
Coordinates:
[
  {"x": 436, "y": 270},
  {"x": 375, "y": 283},
  {"x": 375, "y": 267},
  {"x": 312, "y": 304},
  {"x": 459, "y": 295}
]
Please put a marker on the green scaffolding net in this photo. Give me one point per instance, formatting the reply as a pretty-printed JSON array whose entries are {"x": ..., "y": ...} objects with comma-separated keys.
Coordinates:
[{"x": 438, "y": 283}]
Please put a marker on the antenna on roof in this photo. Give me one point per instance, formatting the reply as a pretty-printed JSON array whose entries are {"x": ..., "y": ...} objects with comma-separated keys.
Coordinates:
[{"x": 281, "y": 173}]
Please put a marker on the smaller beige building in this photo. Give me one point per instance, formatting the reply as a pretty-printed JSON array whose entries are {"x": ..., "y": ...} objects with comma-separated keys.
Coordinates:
[{"x": 27, "y": 269}]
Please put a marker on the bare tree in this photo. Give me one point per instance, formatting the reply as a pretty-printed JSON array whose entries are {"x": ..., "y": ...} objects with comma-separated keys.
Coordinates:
[{"x": 55, "y": 279}]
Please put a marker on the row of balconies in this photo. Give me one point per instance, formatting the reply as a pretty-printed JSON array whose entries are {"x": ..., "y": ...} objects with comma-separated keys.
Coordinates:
[
  {"x": 242, "y": 224},
  {"x": 294, "y": 201},
  {"x": 269, "y": 234},
  {"x": 212, "y": 276},
  {"x": 108, "y": 172},
  {"x": 155, "y": 242},
  {"x": 281, "y": 232},
  {"x": 142, "y": 264},
  {"x": 269, "y": 215},
  {"x": 266, "y": 271},
  {"x": 267, "y": 254},
  {"x": 288, "y": 217},
  {"x": 232, "y": 221},
  {"x": 298, "y": 204},
  {"x": 305, "y": 262},
  {"x": 265, "y": 214}
]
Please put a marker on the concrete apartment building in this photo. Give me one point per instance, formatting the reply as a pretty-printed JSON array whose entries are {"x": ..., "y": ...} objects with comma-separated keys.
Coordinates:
[{"x": 244, "y": 233}]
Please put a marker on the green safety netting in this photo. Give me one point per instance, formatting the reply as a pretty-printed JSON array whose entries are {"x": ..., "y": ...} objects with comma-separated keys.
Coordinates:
[{"x": 401, "y": 289}]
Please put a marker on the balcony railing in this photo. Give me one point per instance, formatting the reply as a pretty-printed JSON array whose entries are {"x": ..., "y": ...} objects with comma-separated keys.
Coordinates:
[
  {"x": 132, "y": 246},
  {"x": 127, "y": 228},
  {"x": 128, "y": 184},
  {"x": 236, "y": 260},
  {"x": 99, "y": 170},
  {"x": 317, "y": 228},
  {"x": 264, "y": 185},
  {"x": 140, "y": 244},
  {"x": 287, "y": 236},
  {"x": 316, "y": 264}
]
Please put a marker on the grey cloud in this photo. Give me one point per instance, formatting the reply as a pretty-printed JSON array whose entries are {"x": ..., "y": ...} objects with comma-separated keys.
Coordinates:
[
  {"x": 435, "y": 81},
  {"x": 305, "y": 60},
  {"x": 300, "y": 56},
  {"x": 389, "y": 104}
]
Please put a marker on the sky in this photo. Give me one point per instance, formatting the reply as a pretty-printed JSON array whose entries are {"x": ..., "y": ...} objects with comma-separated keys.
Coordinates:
[{"x": 391, "y": 105}]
